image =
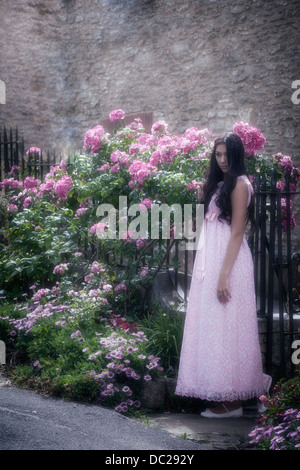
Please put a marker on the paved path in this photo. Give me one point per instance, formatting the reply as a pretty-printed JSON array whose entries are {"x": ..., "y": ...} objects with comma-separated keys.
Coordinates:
[
  {"x": 216, "y": 434},
  {"x": 29, "y": 421}
]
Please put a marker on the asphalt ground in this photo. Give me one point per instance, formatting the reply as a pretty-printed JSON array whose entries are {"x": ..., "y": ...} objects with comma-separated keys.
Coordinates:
[{"x": 30, "y": 421}]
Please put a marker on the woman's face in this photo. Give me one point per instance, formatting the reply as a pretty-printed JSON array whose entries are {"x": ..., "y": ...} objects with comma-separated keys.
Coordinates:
[{"x": 221, "y": 157}]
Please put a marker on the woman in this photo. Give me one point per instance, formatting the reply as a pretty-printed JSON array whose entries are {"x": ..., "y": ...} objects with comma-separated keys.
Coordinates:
[{"x": 220, "y": 356}]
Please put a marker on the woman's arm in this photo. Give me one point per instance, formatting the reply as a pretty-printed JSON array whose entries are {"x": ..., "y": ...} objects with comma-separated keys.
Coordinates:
[
  {"x": 200, "y": 192},
  {"x": 239, "y": 199}
]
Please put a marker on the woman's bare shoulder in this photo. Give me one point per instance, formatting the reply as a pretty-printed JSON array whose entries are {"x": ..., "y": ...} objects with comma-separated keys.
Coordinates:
[
  {"x": 241, "y": 188},
  {"x": 242, "y": 182}
]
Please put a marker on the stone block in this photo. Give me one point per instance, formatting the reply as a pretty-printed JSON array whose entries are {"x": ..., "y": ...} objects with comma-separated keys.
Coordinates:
[{"x": 153, "y": 396}]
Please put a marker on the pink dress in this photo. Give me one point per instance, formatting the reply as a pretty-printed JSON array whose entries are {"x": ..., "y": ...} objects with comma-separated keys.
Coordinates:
[{"x": 220, "y": 354}]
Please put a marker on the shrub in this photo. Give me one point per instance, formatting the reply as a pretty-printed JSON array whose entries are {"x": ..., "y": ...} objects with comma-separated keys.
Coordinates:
[
  {"x": 279, "y": 427},
  {"x": 42, "y": 224},
  {"x": 77, "y": 347}
]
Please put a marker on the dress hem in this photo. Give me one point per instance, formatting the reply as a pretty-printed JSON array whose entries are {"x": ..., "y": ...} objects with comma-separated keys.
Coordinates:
[
  {"x": 243, "y": 396},
  {"x": 227, "y": 396}
]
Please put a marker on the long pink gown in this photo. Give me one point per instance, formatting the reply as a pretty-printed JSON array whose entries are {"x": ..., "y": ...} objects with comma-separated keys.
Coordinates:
[{"x": 220, "y": 354}]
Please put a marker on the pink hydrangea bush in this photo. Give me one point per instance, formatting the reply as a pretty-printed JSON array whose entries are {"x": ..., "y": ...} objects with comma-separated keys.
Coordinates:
[
  {"x": 252, "y": 139},
  {"x": 62, "y": 187},
  {"x": 158, "y": 166},
  {"x": 94, "y": 139},
  {"x": 78, "y": 347}
]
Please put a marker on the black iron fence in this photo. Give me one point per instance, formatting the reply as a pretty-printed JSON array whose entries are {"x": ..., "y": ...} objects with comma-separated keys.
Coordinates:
[
  {"x": 274, "y": 264},
  {"x": 11, "y": 151},
  {"x": 15, "y": 160}
]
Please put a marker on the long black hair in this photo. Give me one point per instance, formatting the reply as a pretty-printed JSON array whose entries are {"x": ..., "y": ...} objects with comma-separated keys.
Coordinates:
[{"x": 236, "y": 167}]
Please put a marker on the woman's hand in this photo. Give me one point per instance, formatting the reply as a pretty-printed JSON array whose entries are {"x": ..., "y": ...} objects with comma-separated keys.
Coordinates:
[
  {"x": 200, "y": 192},
  {"x": 223, "y": 292}
]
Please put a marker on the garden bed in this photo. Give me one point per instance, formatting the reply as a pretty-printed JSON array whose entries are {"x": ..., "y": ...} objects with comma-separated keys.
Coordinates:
[{"x": 77, "y": 266}]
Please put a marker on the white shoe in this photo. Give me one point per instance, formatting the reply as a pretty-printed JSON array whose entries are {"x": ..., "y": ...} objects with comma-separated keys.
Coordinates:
[
  {"x": 261, "y": 408},
  {"x": 228, "y": 414}
]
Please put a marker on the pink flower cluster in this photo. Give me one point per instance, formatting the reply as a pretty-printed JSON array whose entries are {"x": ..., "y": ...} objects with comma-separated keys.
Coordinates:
[
  {"x": 136, "y": 125},
  {"x": 81, "y": 211},
  {"x": 30, "y": 182},
  {"x": 166, "y": 151},
  {"x": 27, "y": 202},
  {"x": 117, "y": 349},
  {"x": 12, "y": 208},
  {"x": 159, "y": 127},
  {"x": 56, "y": 169},
  {"x": 140, "y": 242},
  {"x": 120, "y": 286},
  {"x": 60, "y": 268},
  {"x": 282, "y": 186},
  {"x": 197, "y": 135},
  {"x": 39, "y": 294},
  {"x": 94, "y": 138},
  {"x": 47, "y": 186},
  {"x": 33, "y": 151},
  {"x": 62, "y": 187},
  {"x": 11, "y": 183},
  {"x": 119, "y": 157},
  {"x": 23, "y": 199},
  {"x": 14, "y": 168},
  {"x": 149, "y": 150},
  {"x": 252, "y": 139},
  {"x": 98, "y": 229},
  {"x": 35, "y": 312},
  {"x": 116, "y": 114},
  {"x": 128, "y": 236},
  {"x": 97, "y": 268},
  {"x": 146, "y": 204},
  {"x": 285, "y": 223},
  {"x": 284, "y": 161},
  {"x": 139, "y": 172},
  {"x": 148, "y": 140},
  {"x": 105, "y": 166},
  {"x": 192, "y": 186}
]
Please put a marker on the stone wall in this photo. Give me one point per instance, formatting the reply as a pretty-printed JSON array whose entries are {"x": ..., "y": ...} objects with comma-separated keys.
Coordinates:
[{"x": 203, "y": 63}]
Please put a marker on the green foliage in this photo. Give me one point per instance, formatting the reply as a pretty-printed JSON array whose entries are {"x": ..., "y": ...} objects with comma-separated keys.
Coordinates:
[
  {"x": 279, "y": 427},
  {"x": 286, "y": 395},
  {"x": 164, "y": 330},
  {"x": 79, "y": 352},
  {"x": 39, "y": 238}
]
